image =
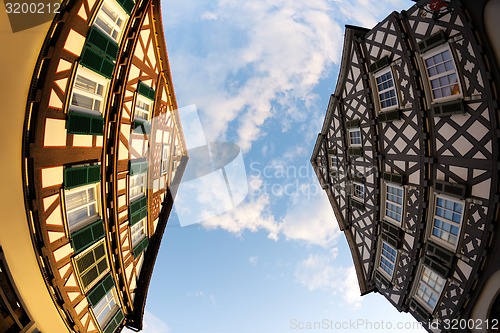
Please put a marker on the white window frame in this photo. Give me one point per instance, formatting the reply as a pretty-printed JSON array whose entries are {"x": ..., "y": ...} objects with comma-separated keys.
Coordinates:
[
  {"x": 426, "y": 288},
  {"x": 137, "y": 185},
  {"x": 138, "y": 231},
  {"x": 143, "y": 107},
  {"x": 380, "y": 92},
  {"x": 94, "y": 263},
  {"x": 76, "y": 225},
  {"x": 383, "y": 256},
  {"x": 352, "y": 130},
  {"x": 105, "y": 309},
  {"x": 95, "y": 96},
  {"x": 358, "y": 188},
  {"x": 334, "y": 162},
  {"x": 385, "y": 201},
  {"x": 442, "y": 240},
  {"x": 430, "y": 54},
  {"x": 115, "y": 29},
  {"x": 165, "y": 158}
]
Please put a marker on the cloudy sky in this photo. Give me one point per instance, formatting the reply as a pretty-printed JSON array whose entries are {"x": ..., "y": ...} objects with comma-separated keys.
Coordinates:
[{"x": 260, "y": 73}]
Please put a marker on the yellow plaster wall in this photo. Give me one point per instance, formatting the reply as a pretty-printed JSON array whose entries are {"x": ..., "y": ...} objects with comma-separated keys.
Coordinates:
[{"x": 16, "y": 67}]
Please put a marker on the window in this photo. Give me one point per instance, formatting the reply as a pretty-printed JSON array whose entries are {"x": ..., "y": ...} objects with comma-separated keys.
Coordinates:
[
  {"x": 110, "y": 19},
  {"x": 386, "y": 90},
  {"x": 88, "y": 91},
  {"x": 82, "y": 206},
  {"x": 430, "y": 286},
  {"x": 442, "y": 74},
  {"x": 137, "y": 185},
  {"x": 355, "y": 137},
  {"x": 358, "y": 191},
  {"x": 394, "y": 195},
  {"x": 143, "y": 107},
  {"x": 165, "y": 158},
  {"x": 388, "y": 257},
  {"x": 334, "y": 163},
  {"x": 448, "y": 215},
  {"x": 106, "y": 308},
  {"x": 138, "y": 232},
  {"x": 92, "y": 264}
]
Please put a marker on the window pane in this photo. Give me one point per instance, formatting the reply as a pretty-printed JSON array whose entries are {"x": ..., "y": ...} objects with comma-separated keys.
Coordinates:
[{"x": 447, "y": 219}]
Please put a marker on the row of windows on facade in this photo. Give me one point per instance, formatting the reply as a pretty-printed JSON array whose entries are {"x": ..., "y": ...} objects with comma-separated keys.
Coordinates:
[
  {"x": 91, "y": 84},
  {"x": 442, "y": 78},
  {"x": 81, "y": 206},
  {"x": 447, "y": 214}
]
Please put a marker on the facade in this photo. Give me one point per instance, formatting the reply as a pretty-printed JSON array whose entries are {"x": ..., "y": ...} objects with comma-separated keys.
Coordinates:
[
  {"x": 408, "y": 157},
  {"x": 96, "y": 151}
]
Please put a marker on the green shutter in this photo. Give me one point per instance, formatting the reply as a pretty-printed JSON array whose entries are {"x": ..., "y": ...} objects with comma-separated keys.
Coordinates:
[
  {"x": 454, "y": 190},
  {"x": 391, "y": 229},
  {"x": 394, "y": 178},
  {"x": 141, "y": 247},
  {"x": 92, "y": 58},
  {"x": 389, "y": 116},
  {"x": 115, "y": 322},
  {"x": 434, "y": 40},
  {"x": 436, "y": 266},
  {"x": 138, "y": 210},
  {"x": 381, "y": 281},
  {"x": 436, "y": 251},
  {"x": 83, "y": 123},
  {"x": 137, "y": 166},
  {"x": 141, "y": 127},
  {"x": 352, "y": 123},
  {"x": 93, "y": 263},
  {"x": 448, "y": 108},
  {"x": 100, "y": 290},
  {"x": 127, "y": 5},
  {"x": 83, "y": 238},
  {"x": 145, "y": 90},
  {"x": 355, "y": 151},
  {"x": 99, "y": 40},
  {"x": 81, "y": 175},
  {"x": 419, "y": 310},
  {"x": 358, "y": 205},
  {"x": 381, "y": 63}
]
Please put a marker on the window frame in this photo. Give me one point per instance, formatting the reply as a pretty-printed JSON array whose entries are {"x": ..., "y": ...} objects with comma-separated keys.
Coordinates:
[
  {"x": 104, "y": 303},
  {"x": 381, "y": 255},
  {"x": 139, "y": 109},
  {"x": 73, "y": 227},
  {"x": 165, "y": 160},
  {"x": 99, "y": 277},
  {"x": 385, "y": 185},
  {"x": 107, "y": 20},
  {"x": 377, "y": 75},
  {"x": 355, "y": 129},
  {"x": 138, "y": 228},
  {"x": 356, "y": 197},
  {"x": 95, "y": 78},
  {"x": 432, "y": 213},
  {"x": 131, "y": 187},
  {"x": 428, "y": 82},
  {"x": 419, "y": 283}
]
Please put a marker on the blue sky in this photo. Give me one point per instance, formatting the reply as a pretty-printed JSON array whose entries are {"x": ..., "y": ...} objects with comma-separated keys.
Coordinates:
[{"x": 260, "y": 74}]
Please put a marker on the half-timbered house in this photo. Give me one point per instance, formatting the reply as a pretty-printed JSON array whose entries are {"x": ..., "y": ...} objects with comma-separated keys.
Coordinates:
[
  {"x": 93, "y": 115},
  {"x": 408, "y": 157}
]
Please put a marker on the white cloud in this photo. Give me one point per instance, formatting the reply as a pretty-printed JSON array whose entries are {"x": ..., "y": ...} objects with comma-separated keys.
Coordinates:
[
  {"x": 311, "y": 220},
  {"x": 152, "y": 324},
  {"x": 319, "y": 271},
  {"x": 257, "y": 60},
  {"x": 253, "y": 260}
]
